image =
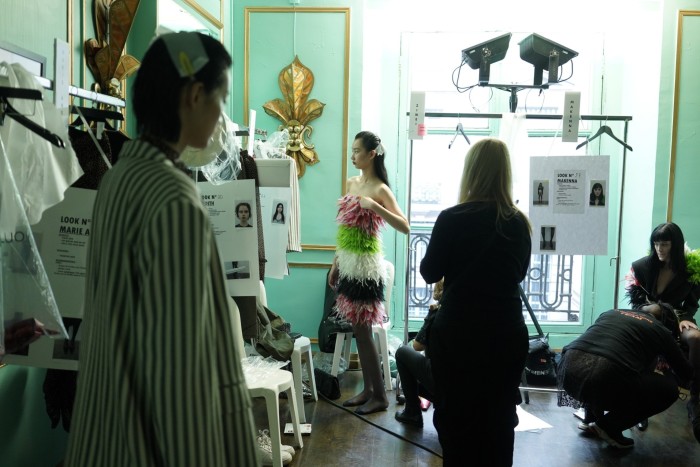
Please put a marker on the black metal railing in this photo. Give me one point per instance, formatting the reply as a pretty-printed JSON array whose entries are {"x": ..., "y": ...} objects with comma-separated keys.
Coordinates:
[{"x": 548, "y": 286}]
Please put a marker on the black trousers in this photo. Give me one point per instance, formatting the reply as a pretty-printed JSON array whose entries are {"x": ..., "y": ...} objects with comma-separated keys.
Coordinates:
[
  {"x": 476, "y": 420},
  {"x": 604, "y": 386},
  {"x": 416, "y": 376}
]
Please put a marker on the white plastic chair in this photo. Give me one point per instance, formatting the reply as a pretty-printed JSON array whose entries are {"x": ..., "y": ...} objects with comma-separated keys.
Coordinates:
[
  {"x": 343, "y": 340},
  {"x": 270, "y": 386},
  {"x": 301, "y": 352}
]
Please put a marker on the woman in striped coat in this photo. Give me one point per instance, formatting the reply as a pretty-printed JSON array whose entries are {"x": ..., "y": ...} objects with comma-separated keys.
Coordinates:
[{"x": 160, "y": 382}]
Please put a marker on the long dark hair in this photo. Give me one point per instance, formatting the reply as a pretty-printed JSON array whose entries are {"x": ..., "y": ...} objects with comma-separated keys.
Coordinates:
[
  {"x": 669, "y": 232},
  {"x": 370, "y": 142},
  {"x": 158, "y": 84}
]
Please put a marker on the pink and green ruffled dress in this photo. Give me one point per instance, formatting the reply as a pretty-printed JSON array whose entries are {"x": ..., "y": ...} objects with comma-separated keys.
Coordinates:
[{"x": 360, "y": 287}]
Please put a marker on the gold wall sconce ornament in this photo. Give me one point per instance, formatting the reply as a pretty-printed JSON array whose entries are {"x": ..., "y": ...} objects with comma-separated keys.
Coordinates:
[
  {"x": 296, "y": 111},
  {"x": 104, "y": 55}
]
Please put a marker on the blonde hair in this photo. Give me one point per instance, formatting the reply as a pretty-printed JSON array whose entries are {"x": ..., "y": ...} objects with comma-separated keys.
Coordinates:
[{"x": 487, "y": 176}]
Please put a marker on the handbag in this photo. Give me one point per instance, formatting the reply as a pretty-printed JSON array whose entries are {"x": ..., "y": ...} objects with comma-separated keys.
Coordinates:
[
  {"x": 540, "y": 368},
  {"x": 326, "y": 384}
]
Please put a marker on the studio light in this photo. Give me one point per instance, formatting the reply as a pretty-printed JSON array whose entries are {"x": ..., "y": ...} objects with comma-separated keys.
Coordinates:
[
  {"x": 544, "y": 54},
  {"x": 482, "y": 55}
]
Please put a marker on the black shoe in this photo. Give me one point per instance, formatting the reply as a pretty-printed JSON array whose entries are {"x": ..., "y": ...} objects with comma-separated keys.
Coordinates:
[
  {"x": 615, "y": 439},
  {"x": 414, "y": 420},
  {"x": 694, "y": 416},
  {"x": 643, "y": 425}
]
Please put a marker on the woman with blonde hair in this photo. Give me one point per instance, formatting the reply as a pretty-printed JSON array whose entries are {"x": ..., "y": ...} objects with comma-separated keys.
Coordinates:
[{"x": 482, "y": 248}]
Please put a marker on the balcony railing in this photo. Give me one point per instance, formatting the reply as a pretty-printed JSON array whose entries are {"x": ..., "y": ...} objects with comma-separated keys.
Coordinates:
[{"x": 550, "y": 285}]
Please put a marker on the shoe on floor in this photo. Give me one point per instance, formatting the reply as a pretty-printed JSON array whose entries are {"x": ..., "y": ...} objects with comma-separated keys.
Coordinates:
[
  {"x": 587, "y": 428},
  {"x": 408, "y": 419},
  {"x": 265, "y": 448},
  {"x": 694, "y": 416},
  {"x": 613, "y": 439}
]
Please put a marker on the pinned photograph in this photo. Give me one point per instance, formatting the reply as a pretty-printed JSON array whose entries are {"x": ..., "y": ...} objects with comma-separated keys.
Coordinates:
[
  {"x": 597, "y": 196},
  {"x": 68, "y": 349},
  {"x": 237, "y": 269},
  {"x": 244, "y": 214},
  {"x": 540, "y": 190},
  {"x": 548, "y": 239},
  {"x": 279, "y": 212}
]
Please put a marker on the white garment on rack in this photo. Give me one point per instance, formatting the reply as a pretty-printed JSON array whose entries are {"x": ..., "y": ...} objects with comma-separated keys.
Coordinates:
[
  {"x": 294, "y": 243},
  {"x": 41, "y": 170}
]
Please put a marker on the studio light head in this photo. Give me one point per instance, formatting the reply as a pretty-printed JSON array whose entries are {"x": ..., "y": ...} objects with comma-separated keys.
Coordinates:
[
  {"x": 544, "y": 54},
  {"x": 482, "y": 55}
]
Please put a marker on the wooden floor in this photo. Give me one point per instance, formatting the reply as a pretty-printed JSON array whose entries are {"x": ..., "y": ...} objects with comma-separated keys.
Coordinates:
[{"x": 340, "y": 437}]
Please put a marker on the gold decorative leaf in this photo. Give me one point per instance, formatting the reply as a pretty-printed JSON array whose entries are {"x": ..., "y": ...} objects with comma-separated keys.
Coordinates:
[
  {"x": 126, "y": 67},
  {"x": 101, "y": 11},
  {"x": 91, "y": 47},
  {"x": 278, "y": 109},
  {"x": 296, "y": 82},
  {"x": 310, "y": 111},
  {"x": 310, "y": 156}
]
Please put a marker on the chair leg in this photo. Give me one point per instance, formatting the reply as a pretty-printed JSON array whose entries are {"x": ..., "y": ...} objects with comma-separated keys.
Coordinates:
[
  {"x": 339, "y": 340},
  {"x": 293, "y": 410},
  {"x": 298, "y": 385},
  {"x": 525, "y": 392},
  {"x": 384, "y": 350},
  {"x": 346, "y": 350},
  {"x": 310, "y": 373},
  {"x": 273, "y": 419}
]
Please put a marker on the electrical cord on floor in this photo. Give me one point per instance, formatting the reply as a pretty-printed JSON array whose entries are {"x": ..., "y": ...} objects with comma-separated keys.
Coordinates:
[{"x": 403, "y": 438}]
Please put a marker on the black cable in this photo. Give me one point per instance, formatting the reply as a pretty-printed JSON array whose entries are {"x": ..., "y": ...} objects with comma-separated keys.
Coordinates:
[
  {"x": 456, "y": 82},
  {"x": 425, "y": 448}
]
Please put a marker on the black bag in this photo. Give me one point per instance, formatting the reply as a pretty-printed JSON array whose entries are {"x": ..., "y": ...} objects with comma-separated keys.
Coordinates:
[
  {"x": 327, "y": 384},
  {"x": 330, "y": 325},
  {"x": 540, "y": 368}
]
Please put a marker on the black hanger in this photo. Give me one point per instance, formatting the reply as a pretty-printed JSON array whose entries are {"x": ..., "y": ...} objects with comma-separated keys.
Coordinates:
[
  {"x": 458, "y": 130},
  {"x": 604, "y": 130},
  {"x": 7, "y": 109},
  {"x": 95, "y": 116}
]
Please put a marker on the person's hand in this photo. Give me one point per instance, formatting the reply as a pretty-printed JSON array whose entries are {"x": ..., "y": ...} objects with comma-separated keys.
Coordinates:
[
  {"x": 654, "y": 308},
  {"x": 23, "y": 333},
  {"x": 367, "y": 203},
  {"x": 333, "y": 276},
  {"x": 685, "y": 324}
]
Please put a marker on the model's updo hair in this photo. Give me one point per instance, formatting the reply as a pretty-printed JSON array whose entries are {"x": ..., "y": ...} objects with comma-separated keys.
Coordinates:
[{"x": 372, "y": 142}]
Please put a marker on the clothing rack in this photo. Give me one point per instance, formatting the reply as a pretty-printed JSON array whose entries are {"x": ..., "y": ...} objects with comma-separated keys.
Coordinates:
[{"x": 601, "y": 118}]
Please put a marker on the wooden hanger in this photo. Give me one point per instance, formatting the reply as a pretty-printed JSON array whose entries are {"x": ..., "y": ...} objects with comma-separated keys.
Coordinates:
[{"x": 607, "y": 131}]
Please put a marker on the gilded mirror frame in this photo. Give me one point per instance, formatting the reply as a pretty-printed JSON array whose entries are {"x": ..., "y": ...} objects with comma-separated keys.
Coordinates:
[
  {"x": 682, "y": 14},
  {"x": 346, "y": 92}
]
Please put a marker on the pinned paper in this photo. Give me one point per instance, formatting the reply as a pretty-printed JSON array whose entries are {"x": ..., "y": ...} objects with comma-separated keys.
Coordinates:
[{"x": 572, "y": 113}]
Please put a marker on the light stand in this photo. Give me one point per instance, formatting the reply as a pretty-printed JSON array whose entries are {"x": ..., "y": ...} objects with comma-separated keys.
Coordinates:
[{"x": 513, "y": 89}]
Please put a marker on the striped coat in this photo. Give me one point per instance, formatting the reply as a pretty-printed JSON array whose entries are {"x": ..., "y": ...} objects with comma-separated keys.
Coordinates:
[{"x": 159, "y": 382}]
